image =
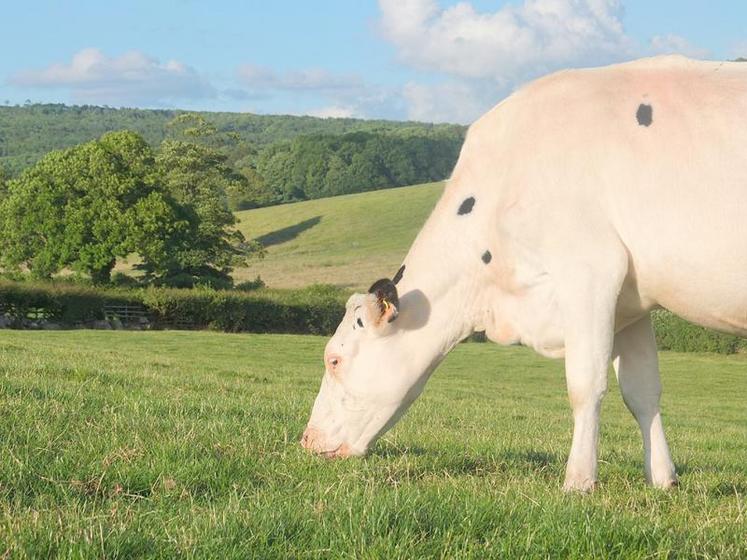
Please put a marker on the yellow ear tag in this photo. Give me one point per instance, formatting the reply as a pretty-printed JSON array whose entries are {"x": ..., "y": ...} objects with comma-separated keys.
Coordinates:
[{"x": 386, "y": 304}]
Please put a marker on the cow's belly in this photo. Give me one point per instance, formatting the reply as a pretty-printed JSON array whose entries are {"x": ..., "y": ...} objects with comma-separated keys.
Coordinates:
[
  {"x": 711, "y": 300},
  {"x": 683, "y": 220},
  {"x": 707, "y": 287}
]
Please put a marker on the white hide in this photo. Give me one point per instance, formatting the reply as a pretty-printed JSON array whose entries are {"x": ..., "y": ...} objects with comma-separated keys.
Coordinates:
[{"x": 593, "y": 216}]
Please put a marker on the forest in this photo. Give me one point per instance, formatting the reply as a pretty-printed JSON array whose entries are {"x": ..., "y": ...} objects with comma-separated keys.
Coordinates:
[{"x": 282, "y": 158}]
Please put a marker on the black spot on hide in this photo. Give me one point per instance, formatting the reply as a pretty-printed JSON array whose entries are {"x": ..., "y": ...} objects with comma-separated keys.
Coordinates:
[
  {"x": 487, "y": 257},
  {"x": 644, "y": 115},
  {"x": 466, "y": 206}
]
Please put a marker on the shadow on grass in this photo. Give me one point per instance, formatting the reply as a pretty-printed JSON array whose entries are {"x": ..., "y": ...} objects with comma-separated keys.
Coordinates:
[
  {"x": 534, "y": 460},
  {"x": 730, "y": 478},
  {"x": 389, "y": 451},
  {"x": 440, "y": 462},
  {"x": 728, "y": 490},
  {"x": 287, "y": 233}
]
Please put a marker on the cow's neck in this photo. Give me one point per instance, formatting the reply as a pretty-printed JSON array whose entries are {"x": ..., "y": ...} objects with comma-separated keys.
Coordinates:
[{"x": 439, "y": 292}]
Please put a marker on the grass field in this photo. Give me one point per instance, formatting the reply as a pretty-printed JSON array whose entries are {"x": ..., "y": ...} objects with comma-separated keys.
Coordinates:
[
  {"x": 348, "y": 241},
  {"x": 184, "y": 444}
]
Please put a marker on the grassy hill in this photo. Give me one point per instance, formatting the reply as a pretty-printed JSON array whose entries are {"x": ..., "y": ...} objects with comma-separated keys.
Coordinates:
[{"x": 348, "y": 241}]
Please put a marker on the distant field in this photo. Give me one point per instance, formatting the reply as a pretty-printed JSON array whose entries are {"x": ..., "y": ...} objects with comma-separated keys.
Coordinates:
[
  {"x": 349, "y": 241},
  {"x": 184, "y": 444}
]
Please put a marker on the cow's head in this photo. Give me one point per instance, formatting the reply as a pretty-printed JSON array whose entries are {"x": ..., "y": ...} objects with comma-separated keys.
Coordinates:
[{"x": 371, "y": 376}]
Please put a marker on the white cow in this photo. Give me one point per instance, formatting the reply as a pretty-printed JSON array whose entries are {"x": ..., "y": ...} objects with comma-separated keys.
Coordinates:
[{"x": 578, "y": 205}]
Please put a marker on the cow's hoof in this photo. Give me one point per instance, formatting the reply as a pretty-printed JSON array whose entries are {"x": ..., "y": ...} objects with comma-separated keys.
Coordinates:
[
  {"x": 665, "y": 482},
  {"x": 582, "y": 485}
]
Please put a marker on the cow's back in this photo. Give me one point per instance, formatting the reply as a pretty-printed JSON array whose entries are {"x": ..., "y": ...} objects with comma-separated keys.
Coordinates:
[{"x": 659, "y": 148}]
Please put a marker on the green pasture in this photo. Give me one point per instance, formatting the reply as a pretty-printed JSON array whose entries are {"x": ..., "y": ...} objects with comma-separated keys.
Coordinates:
[
  {"x": 184, "y": 444},
  {"x": 348, "y": 241}
]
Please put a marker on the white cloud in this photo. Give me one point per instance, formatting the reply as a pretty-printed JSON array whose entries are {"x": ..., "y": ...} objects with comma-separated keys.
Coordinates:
[
  {"x": 335, "y": 112},
  {"x": 480, "y": 57},
  {"x": 675, "y": 44},
  {"x": 451, "y": 101},
  {"x": 319, "y": 92},
  {"x": 509, "y": 45},
  {"x": 132, "y": 77}
]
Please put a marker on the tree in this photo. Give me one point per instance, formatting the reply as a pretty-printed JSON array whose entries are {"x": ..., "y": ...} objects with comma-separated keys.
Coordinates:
[
  {"x": 198, "y": 179},
  {"x": 245, "y": 189},
  {"x": 252, "y": 193},
  {"x": 3, "y": 182},
  {"x": 85, "y": 206}
]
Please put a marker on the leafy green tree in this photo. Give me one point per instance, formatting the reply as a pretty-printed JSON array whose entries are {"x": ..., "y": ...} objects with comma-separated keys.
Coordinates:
[
  {"x": 245, "y": 189},
  {"x": 3, "y": 182},
  {"x": 196, "y": 129},
  {"x": 198, "y": 179},
  {"x": 85, "y": 206}
]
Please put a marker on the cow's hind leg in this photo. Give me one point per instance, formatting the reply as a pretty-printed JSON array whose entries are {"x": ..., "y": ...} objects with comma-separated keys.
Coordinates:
[{"x": 637, "y": 368}]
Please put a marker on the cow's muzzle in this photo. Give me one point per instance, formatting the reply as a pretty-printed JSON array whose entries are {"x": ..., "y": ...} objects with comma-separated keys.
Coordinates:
[{"x": 313, "y": 439}]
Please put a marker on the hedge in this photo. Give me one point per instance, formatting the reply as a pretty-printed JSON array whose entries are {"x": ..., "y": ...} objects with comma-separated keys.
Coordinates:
[
  {"x": 673, "y": 333},
  {"x": 313, "y": 310}
]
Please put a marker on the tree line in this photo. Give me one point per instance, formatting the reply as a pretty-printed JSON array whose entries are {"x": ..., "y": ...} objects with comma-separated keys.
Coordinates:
[
  {"x": 318, "y": 166},
  {"x": 281, "y": 158}
]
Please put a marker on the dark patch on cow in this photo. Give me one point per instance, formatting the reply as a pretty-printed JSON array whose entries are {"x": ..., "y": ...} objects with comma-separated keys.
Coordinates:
[
  {"x": 466, "y": 206},
  {"x": 398, "y": 276},
  {"x": 645, "y": 114},
  {"x": 487, "y": 257}
]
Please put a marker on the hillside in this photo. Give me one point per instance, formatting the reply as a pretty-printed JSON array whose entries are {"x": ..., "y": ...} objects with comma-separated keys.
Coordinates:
[
  {"x": 347, "y": 241},
  {"x": 29, "y": 132}
]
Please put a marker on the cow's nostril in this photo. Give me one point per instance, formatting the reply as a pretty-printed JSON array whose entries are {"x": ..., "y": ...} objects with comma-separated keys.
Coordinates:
[
  {"x": 333, "y": 362},
  {"x": 310, "y": 438},
  {"x": 305, "y": 443}
]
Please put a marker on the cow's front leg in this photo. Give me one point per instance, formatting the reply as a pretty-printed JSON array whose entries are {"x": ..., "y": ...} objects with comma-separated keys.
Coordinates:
[
  {"x": 589, "y": 311},
  {"x": 637, "y": 368},
  {"x": 586, "y": 377}
]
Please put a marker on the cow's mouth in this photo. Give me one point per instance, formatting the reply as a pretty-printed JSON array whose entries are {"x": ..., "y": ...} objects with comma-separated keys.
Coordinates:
[
  {"x": 330, "y": 453},
  {"x": 312, "y": 436},
  {"x": 341, "y": 451}
]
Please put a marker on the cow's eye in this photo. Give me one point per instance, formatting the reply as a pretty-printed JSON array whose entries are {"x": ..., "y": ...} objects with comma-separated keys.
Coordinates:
[{"x": 360, "y": 323}]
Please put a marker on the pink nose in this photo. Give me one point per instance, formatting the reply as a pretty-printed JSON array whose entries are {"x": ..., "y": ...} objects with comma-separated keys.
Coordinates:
[
  {"x": 310, "y": 437},
  {"x": 313, "y": 440}
]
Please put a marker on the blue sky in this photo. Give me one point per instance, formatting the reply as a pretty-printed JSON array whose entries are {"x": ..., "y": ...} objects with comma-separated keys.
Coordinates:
[{"x": 434, "y": 60}]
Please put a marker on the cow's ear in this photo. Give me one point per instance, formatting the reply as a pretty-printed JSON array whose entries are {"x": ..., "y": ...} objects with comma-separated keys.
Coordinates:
[{"x": 384, "y": 305}]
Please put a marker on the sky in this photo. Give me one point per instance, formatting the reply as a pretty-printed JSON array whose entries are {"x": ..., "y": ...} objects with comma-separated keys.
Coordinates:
[{"x": 428, "y": 60}]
